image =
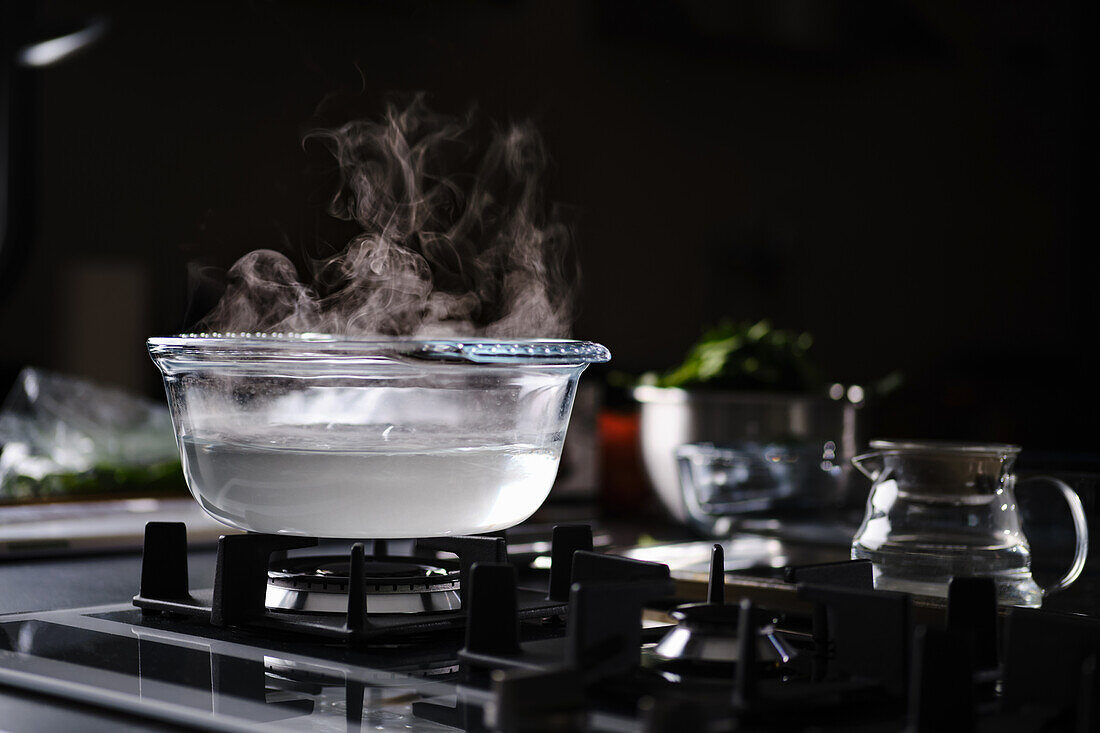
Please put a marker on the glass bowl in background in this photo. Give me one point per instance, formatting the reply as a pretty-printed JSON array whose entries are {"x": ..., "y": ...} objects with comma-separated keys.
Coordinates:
[{"x": 748, "y": 478}]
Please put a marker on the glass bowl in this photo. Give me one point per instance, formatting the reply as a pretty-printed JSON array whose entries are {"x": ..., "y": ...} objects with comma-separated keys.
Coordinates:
[{"x": 326, "y": 436}]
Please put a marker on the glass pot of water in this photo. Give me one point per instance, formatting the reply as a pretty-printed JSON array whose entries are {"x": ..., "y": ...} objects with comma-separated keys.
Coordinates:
[
  {"x": 938, "y": 510},
  {"x": 333, "y": 436}
]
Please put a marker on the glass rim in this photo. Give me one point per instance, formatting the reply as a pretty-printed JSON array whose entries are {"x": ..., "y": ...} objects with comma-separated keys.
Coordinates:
[
  {"x": 220, "y": 346},
  {"x": 956, "y": 447}
]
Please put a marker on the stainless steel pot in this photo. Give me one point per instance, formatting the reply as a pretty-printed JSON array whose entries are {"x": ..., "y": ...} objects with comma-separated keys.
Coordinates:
[{"x": 672, "y": 417}]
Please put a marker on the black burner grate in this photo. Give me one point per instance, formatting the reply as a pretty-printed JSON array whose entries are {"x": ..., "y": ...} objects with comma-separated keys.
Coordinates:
[{"x": 241, "y": 580}]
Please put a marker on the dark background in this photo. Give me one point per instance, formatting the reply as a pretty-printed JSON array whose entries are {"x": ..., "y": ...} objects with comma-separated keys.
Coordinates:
[{"x": 912, "y": 182}]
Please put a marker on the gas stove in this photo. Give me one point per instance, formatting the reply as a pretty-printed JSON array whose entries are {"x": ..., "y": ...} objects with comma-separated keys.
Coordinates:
[
  {"x": 447, "y": 634},
  {"x": 356, "y": 598}
]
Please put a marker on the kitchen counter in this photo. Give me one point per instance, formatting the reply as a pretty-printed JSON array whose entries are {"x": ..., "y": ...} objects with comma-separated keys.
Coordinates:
[{"x": 86, "y": 580}]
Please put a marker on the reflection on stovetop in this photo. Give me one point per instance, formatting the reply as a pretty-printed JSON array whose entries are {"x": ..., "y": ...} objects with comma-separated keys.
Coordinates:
[{"x": 190, "y": 674}]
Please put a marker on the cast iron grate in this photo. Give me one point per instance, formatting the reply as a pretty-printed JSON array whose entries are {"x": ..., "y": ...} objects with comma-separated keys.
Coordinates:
[{"x": 241, "y": 578}]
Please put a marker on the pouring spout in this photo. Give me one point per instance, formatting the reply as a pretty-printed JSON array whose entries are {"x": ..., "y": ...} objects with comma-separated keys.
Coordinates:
[{"x": 870, "y": 464}]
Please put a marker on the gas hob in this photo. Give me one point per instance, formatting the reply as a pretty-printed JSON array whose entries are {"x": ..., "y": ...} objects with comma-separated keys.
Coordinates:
[{"x": 447, "y": 635}]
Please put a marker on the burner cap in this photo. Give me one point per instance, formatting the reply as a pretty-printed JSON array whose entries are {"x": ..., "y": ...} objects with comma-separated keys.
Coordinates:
[
  {"x": 707, "y": 633},
  {"x": 385, "y": 573},
  {"x": 707, "y": 616},
  {"x": 319, "y": 584}
]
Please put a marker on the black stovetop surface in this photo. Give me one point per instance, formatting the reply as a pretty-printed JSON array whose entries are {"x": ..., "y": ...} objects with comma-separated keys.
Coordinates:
[{"x": 71, "y": 621}]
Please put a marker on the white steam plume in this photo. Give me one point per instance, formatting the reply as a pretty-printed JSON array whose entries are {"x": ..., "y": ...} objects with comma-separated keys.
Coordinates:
[{"x": 455, "y": 241}]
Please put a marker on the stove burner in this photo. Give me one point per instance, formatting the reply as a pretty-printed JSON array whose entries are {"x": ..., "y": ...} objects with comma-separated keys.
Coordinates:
[
  {"x": 390, "y": 601},
  {"x": 710, "y": 634},
  {"x": 713, "y": 634},
  {"x": 394, "y": 585}
]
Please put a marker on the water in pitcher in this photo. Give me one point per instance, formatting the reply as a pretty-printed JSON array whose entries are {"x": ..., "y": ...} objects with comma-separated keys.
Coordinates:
[
  {"x": 912, "y": 566},
  {"x": 390, "y": 490},
  {"x": 927, "y": 540}
]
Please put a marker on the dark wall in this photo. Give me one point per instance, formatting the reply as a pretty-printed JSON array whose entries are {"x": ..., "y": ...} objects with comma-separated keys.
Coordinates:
[{"x": 909, "y": 181}]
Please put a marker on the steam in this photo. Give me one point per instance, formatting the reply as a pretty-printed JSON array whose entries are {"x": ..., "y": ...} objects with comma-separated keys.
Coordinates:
[{"x": 455, "y": 240}]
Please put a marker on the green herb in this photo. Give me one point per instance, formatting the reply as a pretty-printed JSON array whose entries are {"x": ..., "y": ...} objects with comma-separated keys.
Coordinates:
[
  {"x": 154, "y": 480},
  {"x": 745, "y": 356}
]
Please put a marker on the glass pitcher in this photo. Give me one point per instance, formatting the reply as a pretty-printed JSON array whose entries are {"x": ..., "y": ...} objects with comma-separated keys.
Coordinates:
[{"x": 939, "y": 510}]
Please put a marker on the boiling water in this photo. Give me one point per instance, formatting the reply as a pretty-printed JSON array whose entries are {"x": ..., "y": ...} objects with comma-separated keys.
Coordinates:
[{"x": 402, "y": 490}]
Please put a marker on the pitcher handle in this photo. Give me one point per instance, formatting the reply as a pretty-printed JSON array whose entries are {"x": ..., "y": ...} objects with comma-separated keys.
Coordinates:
[{"x": 1080, "y": 527}]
